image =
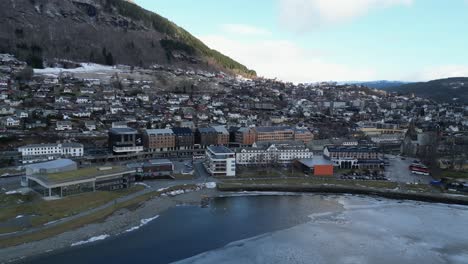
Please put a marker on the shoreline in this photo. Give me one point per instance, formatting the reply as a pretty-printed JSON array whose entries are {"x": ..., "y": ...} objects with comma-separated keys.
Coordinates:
[
  {"x": 331, "y": 189},
  {"x": 119, "y": 222},
  {"x": 127, "y": 220}
]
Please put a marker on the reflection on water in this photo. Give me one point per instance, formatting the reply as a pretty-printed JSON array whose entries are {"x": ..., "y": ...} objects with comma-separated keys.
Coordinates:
[{"x": 182, "y": 232}]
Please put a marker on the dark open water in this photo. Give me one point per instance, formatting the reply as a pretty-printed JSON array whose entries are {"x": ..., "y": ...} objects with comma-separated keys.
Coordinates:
[{"x": 182, "y": 232}]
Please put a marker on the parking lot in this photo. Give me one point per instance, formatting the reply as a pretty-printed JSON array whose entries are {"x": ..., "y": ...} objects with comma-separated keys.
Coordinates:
[{"x": 398, "y": 171}]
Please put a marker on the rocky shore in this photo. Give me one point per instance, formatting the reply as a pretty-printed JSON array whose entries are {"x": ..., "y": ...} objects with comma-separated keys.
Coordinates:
[{"x": 119, "y": 222}]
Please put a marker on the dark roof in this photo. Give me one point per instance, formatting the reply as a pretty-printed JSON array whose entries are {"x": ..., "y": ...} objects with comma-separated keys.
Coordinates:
[
  {"x": 207, "y": 130},
  {"x": 220, "y": 149},
  {"x": 125, "y": 130},
  {"x": 182, "y": 131},
  {"x": 352, "y": 149}
]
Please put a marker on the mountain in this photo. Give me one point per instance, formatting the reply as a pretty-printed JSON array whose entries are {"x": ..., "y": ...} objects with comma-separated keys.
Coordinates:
[
  {"x": 382, "y": 85},
  {"x": 443, "y": 90},
  {"x": 102, "y": 31}
]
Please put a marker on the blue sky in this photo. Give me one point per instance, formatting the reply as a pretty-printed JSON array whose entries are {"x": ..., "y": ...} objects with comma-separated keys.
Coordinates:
[{"x": 320, "y": 40}]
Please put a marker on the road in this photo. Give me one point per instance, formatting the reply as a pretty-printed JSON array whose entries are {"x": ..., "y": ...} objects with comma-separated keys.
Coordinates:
[{"x": 398, "y": 171}]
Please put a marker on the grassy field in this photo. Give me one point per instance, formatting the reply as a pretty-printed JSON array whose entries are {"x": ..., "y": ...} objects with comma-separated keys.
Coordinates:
[
  {"x": 317, "y": 181},
  {"x": 82, "y": 173},
  {"x": 91, "y": 218},
  {"x": 454, "y": 174},
  {"x": 255, "y": 173},
  {"x": 8, "y": 200},
  {"x": 48, "y": 211}
]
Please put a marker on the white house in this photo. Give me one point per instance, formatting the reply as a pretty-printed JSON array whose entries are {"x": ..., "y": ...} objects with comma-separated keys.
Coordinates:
[{"x": 63, "y": 125}]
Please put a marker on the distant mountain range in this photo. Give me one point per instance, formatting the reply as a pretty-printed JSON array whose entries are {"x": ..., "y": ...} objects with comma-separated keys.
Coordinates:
[
  {"x": 381, "y": 85},
  {"x": 103, "y": 31},
  {"x": 443, "y": 90}
]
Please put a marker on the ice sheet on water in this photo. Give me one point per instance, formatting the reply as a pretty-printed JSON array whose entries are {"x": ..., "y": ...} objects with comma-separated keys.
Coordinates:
[{"x": 368, "y": 231}]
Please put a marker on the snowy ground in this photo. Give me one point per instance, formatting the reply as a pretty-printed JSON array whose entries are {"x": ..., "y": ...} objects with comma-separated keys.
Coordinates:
[
  {"x": 85, "y": 68},
  {"x": 367, "y": 231}
]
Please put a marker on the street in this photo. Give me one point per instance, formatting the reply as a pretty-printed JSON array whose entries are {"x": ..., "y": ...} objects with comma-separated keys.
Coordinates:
[{"x": 398, "y": 171}]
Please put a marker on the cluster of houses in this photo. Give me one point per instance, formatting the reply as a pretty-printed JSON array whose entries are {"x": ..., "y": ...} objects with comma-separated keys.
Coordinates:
[{"x": 181, "y": 110}]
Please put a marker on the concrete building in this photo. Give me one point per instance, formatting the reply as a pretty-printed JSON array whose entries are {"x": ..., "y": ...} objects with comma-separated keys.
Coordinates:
[
  {"x": 62, "y": 184},
  {"x": 125, "y": 141},
  {"x": 272, "y": 153},
  {"x": 44, "y": 152},
  {"x": 220, "y": 161},
  {"x": 159, "y": 140},
  {"x": 351, "y": 157}
]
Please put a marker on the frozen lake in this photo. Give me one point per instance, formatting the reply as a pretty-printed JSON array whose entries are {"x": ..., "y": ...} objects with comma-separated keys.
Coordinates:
[{"x": 289, "y": 229}]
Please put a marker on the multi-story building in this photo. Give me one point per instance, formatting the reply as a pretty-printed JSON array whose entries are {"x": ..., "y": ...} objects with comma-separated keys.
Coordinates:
[
  {"x": 125, "y": 141},
  {"x": 159, "y": 140},
  {"x": 44, "y": 152},
  {"x": 222, "y": 137},
  {"x": 184, "y": 138},
  {"x": 303, "y": 135},
  {"x": 220, "y": 161},
  {"x": 206, "y": 136},
  {"x": 354, "y": 157},
  {"x": 279, "y": 133},
  {"x": 276, "y": 153},
  {"x": 245, "y": 136}
]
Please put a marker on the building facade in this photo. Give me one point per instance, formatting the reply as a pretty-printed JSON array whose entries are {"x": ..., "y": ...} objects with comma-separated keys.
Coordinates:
[
  {"x": 245, "y": 136},
  {"x": 159, "y": 140},
  {"x": 354, "y": 157},
  {"x": 280, "y": 153},
  {"x": 220, "y": 161},
  {"x": 125, "y": 141},
  {"x": 279, "y": 133},
  {"x": 44, "y": 152},
  {"x": 184, "y": 138}
]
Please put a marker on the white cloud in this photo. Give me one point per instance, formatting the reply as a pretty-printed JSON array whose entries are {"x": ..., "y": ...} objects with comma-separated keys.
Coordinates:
[
  {"x": 303, "y": 15},
  {"x": 439, "y": 72},
  {"x": 242, "y": 29},
  {"x": 285, "y": 60}
]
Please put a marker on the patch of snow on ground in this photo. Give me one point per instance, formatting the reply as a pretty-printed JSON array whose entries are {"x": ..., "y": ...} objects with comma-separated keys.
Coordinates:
[
  {"x": 91, "y": 240},
  {"x": 11, "y": 192},
  {"x": 210, "y": 185},
  {"x": 85, "y": 68},
  {"x": 142, "y": 223}
]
